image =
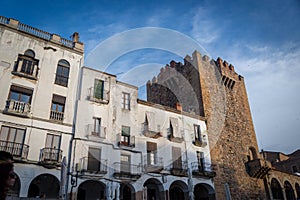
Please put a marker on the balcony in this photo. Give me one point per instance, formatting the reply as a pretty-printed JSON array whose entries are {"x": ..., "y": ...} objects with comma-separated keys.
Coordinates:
[
  {"x": 258, "y": 168},
  {"x": 179, "y": 168},
  {"x": 155, "y": 166},
  {"x": 56, "y": 116},
  {"x": 98, "y": 98},
  {"x": 17, "y": 108},
  {"x": 199, "y": 143},
  {"x": 91, "y": 167},
  {"x": 126, "y": 171},
  {"x": 150, "y": 133},
  {"x": 50, "y": 157},
  {"x": 175, "y": 138},
  {"x": 202, "y": 170},
  {"x": 126, "y": 141},
  {"x": 96, "y": 133},
  {"x": 18, "y": 150}
]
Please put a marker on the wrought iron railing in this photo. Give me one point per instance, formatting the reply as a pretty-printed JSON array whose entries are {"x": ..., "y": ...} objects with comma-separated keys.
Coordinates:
[
  {"x": 124, "y": 140},
  {"x": 101, "y": 132},
  {"x": 18, "y": 150},
  {"x": 127, "y": 169},
  {"x": 148, "y": 132},
  {"x": 93, "y": 166},
  {"x": 50, "y": 155},
  {"x": 17, "y": 107},
  {"x": 57, "y": 116},
  {"x": 153, "y": 164}
]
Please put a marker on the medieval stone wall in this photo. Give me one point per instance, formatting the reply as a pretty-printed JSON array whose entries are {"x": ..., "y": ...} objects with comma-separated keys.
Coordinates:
[{"x": 221, "y": 97}]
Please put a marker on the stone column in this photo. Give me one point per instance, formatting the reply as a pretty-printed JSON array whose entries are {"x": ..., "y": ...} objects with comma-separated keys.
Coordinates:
[{"x": 283, "y": 192}]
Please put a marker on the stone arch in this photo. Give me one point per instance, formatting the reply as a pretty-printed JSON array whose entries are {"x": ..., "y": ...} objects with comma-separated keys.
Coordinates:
[
  {"x": 15, "y": 190},
  {"x": 203, "y": 191},
  {"x": 276, "y": 189},
  {"x": 91, "y": 189},
  {"x": 29, "y": 53},
  {"x": 289, "y": 191},
  {"x": 252, "y": 154},
  {"x": 155, "y": 189},
  {"x": 297, "y": 188},
  {"x": 178, "y": 191},
  {"x": 44, "y": 183},
  {"x": 127, "y": 192}
]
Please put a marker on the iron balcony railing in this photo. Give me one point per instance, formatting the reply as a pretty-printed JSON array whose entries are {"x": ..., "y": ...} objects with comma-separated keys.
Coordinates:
[
  {"x": 125, "y": 169},
  {"x": 18, "y": 108},
  {"x": 153, "y": 164},
  {"x": 258, "y": 168},
  {"x": 52, "y": 155},
  {"x": 56, "y": 116},
  {"x": 178, "y": 168},
  {"x": 98, "y": 132},
  {"x": 98, "y": 97},
  {"x": 149, "y": 132},
  {"x": 126, "y": 141},
  {"x": 173, "y": 138},
  {"x": 92, "y": 165},
  {"x": 203, "y": 169},
  {"x": 18, "y": 150}
]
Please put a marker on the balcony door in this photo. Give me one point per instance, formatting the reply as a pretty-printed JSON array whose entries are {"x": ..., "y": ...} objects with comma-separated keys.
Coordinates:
[
  {"x": 52, "y": 147},
  {"x": 12, "y": 140},
  {"x": 94, "y": 158},
  {"x": 125, "y": 163},
  {"x": 176, "y": 158},
  {"x": 98, "y": 89},
  {"x": 200, "y": 158}
]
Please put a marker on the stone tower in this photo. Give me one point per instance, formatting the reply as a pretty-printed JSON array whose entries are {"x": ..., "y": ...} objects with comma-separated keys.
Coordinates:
[{"x": 214, "y": 90}]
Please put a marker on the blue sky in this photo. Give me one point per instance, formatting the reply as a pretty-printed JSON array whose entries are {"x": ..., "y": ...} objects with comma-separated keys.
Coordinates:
[{"x": 260, "y": 38}]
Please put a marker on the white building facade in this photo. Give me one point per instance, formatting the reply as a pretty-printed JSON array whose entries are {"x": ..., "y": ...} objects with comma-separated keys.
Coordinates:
[
  {"x": 125, "y": 148},
  {"x": 38, "y": 82},
  {"x": 116, "y": 146}
]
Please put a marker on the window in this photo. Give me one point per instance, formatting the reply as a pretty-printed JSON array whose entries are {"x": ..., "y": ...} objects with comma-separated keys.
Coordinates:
[
  {"x": 126, "y": 101},
  {"x": 98, "y": 89},
  {"x": 53, "y": 141},
  {"x": 200, "y": 158},
  {"x": 52, "y": 148},
  {"x": 97, "y": 127},
  {"x": 19, "y": 100},
  {"x": 197, "y": 132},
  {"x": 125, "y": 139},
  {"x": 20, "y": 94},
  {"x": 294, "y": 169},
  {"x": 125, "y": 163},
  {"x": 26, "y": 64},
  {"x": 151, "y": 153},
  {"x": 57, "y": 107},
  {"x": 62, "y": 73},
  {"x": 94, "y": 158},
  {"x": 176, "y": 157},
  {"x": 12, "y": 139}
]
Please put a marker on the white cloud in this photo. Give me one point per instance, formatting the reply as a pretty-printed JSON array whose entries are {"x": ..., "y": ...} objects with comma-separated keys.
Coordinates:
[
  {"x": 272, "y": 80},
  {"x": 204, "y": 28}
]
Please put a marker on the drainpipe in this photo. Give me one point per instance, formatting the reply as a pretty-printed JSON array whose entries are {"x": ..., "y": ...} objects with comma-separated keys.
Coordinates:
[{"x": 73, "y": 129}]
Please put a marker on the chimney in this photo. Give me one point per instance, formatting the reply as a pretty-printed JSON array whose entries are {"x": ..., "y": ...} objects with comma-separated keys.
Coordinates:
[
  {"x": 75, "y": 37},
  {"x": 178, "y": 106}
]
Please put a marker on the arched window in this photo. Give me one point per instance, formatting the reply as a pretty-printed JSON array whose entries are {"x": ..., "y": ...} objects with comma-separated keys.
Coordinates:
[
  {"x": 26, "y": 65},
  {"x": 289, "y": 191},
  {"x": 62, "y": 73},
  {"x": 252, "y": 155},
  {"x": 276, "y": 189},
  {"x": 297, "y": 187}
]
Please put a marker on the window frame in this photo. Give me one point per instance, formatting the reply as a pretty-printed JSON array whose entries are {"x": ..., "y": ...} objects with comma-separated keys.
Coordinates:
[
  {"x": 125, "y": 101},
  {"x": 60, "y": 77}
]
